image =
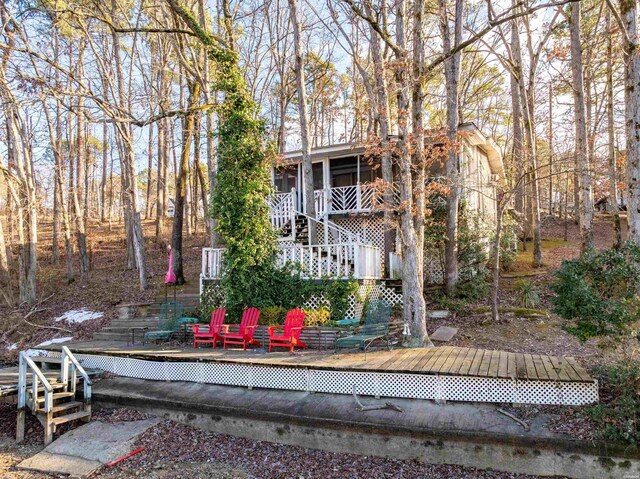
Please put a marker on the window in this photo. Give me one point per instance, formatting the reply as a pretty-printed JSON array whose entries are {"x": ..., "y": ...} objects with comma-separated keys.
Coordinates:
[
  {"x": 344, "y": 171},
  {"x": 286, "y": 178},
  {"x": 318, "y": 176},
  {"x": 348, "y": 171}
]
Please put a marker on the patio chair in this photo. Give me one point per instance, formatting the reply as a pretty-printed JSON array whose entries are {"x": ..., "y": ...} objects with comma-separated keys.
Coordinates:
[
  {"x": 246, "y": 330},
  {"x": 170, "y": 315},
  {"x": 290, "y": 337},
  {"x": 376, "y": 326},
  {"x": 214, "y": 334}
]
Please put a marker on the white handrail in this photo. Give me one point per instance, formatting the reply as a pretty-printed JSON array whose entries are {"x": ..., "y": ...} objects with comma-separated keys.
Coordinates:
[
  {"x": 67, "y": 357},
  {"x": 26, "y": 363}
]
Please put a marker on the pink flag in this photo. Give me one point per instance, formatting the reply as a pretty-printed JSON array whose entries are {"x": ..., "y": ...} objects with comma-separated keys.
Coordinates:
[{"x": 170, "y": 277}]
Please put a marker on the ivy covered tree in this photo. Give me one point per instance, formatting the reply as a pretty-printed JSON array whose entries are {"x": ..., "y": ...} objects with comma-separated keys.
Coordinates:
[{"x": 239, "y": 202}]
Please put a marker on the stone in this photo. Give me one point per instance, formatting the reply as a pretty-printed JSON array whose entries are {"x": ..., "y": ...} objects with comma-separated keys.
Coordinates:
[
  {"x": 82, "y": 451},
  {"x": 444, "y": 334}
]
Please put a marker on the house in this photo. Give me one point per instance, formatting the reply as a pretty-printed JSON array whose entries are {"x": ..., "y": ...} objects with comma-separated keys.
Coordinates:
[{"x": 349, "y": 217}]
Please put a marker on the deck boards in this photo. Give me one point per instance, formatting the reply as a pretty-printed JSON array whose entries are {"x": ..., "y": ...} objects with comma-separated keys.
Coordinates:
[{"x": 446, "y": 360}]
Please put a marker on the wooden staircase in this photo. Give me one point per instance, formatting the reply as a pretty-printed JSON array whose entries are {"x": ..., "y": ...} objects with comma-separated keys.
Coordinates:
[
  {"x": 53, "y": 402},
  {"x": 120, "y": 329}
]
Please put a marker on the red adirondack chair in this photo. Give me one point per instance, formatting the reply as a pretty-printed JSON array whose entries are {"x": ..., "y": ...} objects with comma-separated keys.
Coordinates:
[
  {"x": 291, "y": 330},
  {"x": 216, "y": 328},
  {"x": 246, "y": 330}
]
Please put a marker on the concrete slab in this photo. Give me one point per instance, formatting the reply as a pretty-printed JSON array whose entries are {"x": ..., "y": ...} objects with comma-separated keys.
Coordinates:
[
  {"x": 444, "y": 334},
  {"x": 83, "y": 450}
]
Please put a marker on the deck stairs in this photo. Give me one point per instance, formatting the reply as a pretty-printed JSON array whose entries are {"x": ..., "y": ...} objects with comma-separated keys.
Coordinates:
[
  {"x": 122, "y": 328},
  {"x": 53, "y": 402}
]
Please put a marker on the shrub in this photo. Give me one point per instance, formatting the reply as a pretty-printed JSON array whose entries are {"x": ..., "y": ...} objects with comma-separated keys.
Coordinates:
[
  {"x": 317, "y": 317},
  {"x": 617, "y": 419},
  {"x": 599, "y": 291},
  {"x": 529, "y": 297},
  {"x": 272, "y": 315}
]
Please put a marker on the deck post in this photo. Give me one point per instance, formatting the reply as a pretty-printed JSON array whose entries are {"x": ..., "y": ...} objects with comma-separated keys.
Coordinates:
[{"x": 22, "y": 398}]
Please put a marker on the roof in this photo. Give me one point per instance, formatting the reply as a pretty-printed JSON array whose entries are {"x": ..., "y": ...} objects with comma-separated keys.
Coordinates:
[{"x": 473, "y": 136}]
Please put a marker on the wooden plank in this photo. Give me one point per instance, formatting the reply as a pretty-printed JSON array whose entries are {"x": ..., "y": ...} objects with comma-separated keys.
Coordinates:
[
  {"x": 457, "y": 363},
  {"x": 408, "y": 359},
  {"x": 477, "y": 360},
  {"x": 531, "y": 368},
  {"x": 429, "y": 366},
  {"x": 483, "y": 370},
  {"x": 546, "y": 361},
  {"x": 539, "y": 365},
  {"x": 521, "y": 367},
  {"x": 511, "y": 366},
  {"x": 559, "y": 368},
  {"x": 392, "y": 366},
  {"x": 466, "y": 362},
  {"x": 426, "y": 359},
  {"x": 584, "y": 375},
  {"x": 380, "y": 362},
  {"x": 493, "y": 364},
  {"x": 503, "y": 365},
  {"x": 451, "y": 360},
  {"x": 425, "y": 352},
  {"x": 443, "y": 359}
]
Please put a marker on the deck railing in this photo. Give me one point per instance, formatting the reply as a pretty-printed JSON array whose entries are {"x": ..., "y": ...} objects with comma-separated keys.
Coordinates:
[{"x": 342, "y": 260}]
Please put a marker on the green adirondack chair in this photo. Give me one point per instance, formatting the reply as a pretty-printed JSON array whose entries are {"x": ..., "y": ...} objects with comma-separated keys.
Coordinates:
[
  {"x": 170, "y": 322},
  {"x": 376, "y": 326}
]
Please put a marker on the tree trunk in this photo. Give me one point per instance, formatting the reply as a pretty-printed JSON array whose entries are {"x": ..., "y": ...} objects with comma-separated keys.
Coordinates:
[
  {"x": 629, "y": 10},
  {"x": 412, "y": 281},
  {"x": 181, "y": 185},
  {"x": 611, "y": 134},
  {"x": 307, "y": 165},
  {"x": 452, "y": 77},
  {"x": 585, "y": 207}
]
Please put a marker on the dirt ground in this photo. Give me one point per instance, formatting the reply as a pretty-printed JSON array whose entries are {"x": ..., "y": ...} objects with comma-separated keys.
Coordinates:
[
  {"x": 540, "y": 331},
  {"x": 177, "y": 451},
  {"x": 109, "y": 283}
]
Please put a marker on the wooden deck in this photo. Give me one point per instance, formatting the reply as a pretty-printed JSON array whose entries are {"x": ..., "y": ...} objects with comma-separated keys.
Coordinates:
[
  {"x": 9, "y": 379},
  {"x": 445, "y": 360}
]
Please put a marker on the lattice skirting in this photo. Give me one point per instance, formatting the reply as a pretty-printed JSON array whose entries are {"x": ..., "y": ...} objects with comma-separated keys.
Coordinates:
[{"x": 411, "y": 386}]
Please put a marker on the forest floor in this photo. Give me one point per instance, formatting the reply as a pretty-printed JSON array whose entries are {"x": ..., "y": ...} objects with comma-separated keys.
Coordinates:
[
  {"x": 109, "y": 283},
  {"x": 177, "y": 451},
  {"x": 538, "y": 331}
]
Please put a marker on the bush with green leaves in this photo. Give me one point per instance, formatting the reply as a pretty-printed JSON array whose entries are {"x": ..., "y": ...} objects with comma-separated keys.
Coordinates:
[
  {"x": 617, "y": 418},
  {"x": 598, "y": 292}
]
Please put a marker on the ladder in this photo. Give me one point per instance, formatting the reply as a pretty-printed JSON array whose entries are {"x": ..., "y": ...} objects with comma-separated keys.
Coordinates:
[{"x": 53, "y": 402}]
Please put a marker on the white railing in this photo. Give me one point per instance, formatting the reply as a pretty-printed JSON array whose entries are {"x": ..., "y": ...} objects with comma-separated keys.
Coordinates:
[
  {"x": 69, "y": 371},
  {"x": 282, "y": 209},
  {"x": 320, "y": 261},
  {"x": 70, "y": 368},
  {"x": 211, "y": 263},
  {"x": 26, "y": 366},
  {"x": 395, "y": 266},
  {"x": 341, "y": 260}
]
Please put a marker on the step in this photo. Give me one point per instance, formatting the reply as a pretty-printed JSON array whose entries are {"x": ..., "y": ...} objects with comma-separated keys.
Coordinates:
[
  {"x": 57, "y": 396},
  {"x": 70, "y": 417},
  {"x": 65, "y": 406}
]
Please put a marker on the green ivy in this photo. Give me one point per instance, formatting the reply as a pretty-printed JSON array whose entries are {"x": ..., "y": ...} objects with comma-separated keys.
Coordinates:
[{"x": 250, "y": 276}]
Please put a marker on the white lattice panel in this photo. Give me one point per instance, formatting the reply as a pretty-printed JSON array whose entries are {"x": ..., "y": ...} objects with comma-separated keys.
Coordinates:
[
  {"x": 369, "y": 228},
  {"x": 412, "y": 386},
  {"x": 433, "y": 267}
]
